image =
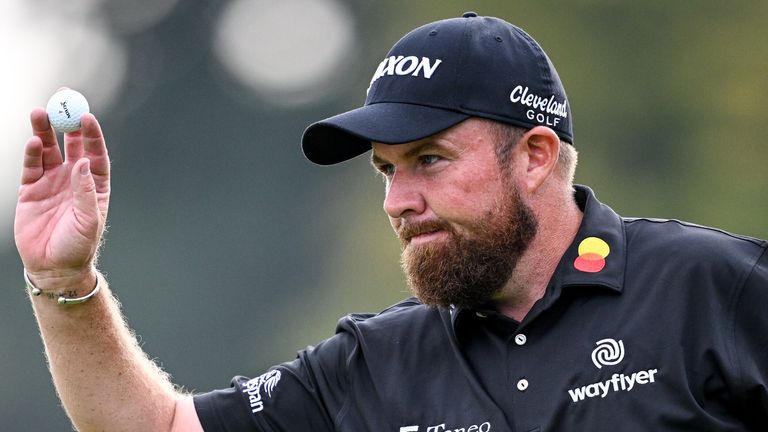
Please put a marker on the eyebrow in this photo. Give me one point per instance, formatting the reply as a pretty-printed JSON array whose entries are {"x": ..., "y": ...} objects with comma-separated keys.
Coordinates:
[
  {"x": 376, "y": 161},
  {"x": 425, "y": 146}
]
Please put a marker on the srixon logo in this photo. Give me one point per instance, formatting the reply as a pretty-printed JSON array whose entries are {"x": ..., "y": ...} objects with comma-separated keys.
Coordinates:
[
  {"x": 66, "y": 110},
  {"x": 406, "y": 65}
]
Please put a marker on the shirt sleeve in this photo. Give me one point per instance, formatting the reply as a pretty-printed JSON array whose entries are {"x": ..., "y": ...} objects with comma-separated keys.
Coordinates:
[
  {"x": 750, "y": 336},
  {"x": 303, "y": 395}
]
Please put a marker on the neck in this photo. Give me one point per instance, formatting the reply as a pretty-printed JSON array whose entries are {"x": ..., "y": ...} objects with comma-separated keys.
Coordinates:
[{"x": 558, "y": 222}]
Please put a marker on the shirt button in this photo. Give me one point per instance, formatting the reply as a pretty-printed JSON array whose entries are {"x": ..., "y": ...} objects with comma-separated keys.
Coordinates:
[
  {"x": 522, "y": 385},
  {"x": 520, "y": 339}
]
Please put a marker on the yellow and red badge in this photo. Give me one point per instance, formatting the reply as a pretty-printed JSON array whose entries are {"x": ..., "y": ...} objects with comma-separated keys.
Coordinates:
[{"x": 592, "y": 253}]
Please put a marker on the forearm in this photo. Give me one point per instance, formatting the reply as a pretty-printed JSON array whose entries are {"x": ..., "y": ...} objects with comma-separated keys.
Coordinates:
[{"x": 105, "y": 381}]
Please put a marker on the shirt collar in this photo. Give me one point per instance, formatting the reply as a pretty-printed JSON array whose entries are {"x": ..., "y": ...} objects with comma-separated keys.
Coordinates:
[
  {"x": 596, "y": 258},
  {"x": 598, "y": 254}
]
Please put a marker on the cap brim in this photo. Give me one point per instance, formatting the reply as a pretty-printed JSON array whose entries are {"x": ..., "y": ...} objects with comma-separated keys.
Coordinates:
[{"x": 350, "y": 134}]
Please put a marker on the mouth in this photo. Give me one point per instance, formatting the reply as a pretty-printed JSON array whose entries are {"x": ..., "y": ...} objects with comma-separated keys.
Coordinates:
[
  {"x": 422, "y": 232},
  {"x": 426, "y": 236}
]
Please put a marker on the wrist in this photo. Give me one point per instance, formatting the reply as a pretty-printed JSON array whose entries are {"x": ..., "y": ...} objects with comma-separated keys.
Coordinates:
[
  {"x": 81, "y": 280},
  {"x": 65, "y": 288}
]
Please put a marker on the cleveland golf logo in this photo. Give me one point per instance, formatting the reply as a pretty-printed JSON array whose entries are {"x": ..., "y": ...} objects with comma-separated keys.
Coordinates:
[
  {"x": 543, "y": 109},
  {"x": 610, "y": 352}
]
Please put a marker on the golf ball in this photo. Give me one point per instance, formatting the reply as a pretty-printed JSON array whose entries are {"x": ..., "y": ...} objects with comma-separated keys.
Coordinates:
[{"x": 65, "y": 108}]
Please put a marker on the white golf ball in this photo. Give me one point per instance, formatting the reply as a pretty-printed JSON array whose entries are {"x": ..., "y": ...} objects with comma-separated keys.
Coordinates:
[{"x": 65, "y": 108}]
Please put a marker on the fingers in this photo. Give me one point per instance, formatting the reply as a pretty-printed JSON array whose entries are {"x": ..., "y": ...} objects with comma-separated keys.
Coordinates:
[
  {"x": 73, "y": 147},
  {"x": 32, "y": 169},
  {"x": 75, "y": 142},
  {"x": 85, "y": 202},
  {"x": 87, "y": 142},
  {"x": 42, "y": 129},
  {"x": 94, "y": 144},
  {"x": 95, "y": 149}
]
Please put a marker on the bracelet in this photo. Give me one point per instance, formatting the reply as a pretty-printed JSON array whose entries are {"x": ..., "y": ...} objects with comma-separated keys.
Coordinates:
[{"x": 62, "y": 300}]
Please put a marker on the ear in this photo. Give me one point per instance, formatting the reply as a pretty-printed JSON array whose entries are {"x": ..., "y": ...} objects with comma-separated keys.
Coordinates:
[{"x": 539, "y": 148}]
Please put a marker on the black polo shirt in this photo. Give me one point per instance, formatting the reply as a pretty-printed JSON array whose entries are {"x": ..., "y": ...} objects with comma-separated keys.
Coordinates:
[{"x": 646, "y": 325}]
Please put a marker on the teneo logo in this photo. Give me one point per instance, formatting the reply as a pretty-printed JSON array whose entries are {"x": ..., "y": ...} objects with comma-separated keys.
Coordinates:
[
  {"x": 406, "y": 65},
  {"x": 254, "y": 387},
  {"x": 541, "y": 106},
  {"x": 482, "y": 427},
  {"x": 609, "y": 352}
]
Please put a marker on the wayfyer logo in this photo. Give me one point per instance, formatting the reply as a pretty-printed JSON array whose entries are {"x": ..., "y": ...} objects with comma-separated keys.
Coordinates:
[{"x": 610, "y": 352}]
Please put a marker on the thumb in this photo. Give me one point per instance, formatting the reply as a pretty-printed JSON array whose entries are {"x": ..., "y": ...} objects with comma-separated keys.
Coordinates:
[{"x": 84, "y": 191}]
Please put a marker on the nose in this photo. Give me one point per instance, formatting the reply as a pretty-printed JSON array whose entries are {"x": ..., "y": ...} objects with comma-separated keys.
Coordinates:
[{"x": 403, "y": 196}]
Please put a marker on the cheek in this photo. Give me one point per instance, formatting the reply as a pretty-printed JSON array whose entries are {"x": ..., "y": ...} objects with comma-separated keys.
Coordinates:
[
  {"x": 467, "y": 202},
  {"x": 480, "y": 191}
]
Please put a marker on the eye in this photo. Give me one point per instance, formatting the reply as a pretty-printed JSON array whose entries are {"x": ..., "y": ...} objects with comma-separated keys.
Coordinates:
[
  {"x": 429, "y": 159},
  {"x": 385, "y": 169}
]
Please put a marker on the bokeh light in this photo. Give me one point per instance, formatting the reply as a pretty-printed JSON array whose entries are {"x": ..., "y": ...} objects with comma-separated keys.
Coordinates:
[
  {"x": 53, "y": 47},
  {"x": 289, "y": 52}
]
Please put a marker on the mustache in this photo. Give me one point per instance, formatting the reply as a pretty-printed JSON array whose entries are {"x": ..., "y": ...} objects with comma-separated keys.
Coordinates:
[{"x": 407, "y": 230}]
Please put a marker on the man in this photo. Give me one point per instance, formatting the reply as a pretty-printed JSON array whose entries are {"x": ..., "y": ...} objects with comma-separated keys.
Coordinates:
[{"x": 539, "y": 309}]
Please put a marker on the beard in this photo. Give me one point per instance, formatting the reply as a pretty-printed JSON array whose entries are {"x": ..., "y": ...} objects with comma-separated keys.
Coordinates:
[{"x": 468, "y": 270}]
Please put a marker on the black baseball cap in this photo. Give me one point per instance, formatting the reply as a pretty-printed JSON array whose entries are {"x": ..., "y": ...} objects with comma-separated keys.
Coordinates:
[{"x": 441, "y": 74}]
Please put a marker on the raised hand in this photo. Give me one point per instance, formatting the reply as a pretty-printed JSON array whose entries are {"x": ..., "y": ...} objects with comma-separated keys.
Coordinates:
[{"x": 63, "y": 201}]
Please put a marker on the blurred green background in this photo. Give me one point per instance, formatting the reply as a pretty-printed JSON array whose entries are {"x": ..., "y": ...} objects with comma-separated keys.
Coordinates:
[{"x": 230, "y": 252}]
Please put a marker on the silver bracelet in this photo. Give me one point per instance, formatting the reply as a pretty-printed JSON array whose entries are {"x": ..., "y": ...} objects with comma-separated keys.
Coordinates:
[{"x": 62, "y": 299}]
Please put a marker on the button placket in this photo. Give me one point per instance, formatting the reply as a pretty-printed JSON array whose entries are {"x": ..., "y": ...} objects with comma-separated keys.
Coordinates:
[
  {"x": 520, "y": 339},
  {"x": 522, "y": 384}
]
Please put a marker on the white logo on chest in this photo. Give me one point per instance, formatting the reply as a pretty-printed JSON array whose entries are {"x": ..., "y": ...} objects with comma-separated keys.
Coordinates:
[{"x": 608, "y": 353}]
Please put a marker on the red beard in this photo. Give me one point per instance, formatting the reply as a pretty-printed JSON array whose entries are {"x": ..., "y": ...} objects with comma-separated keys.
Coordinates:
[{"x": 467, "y": 270}]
